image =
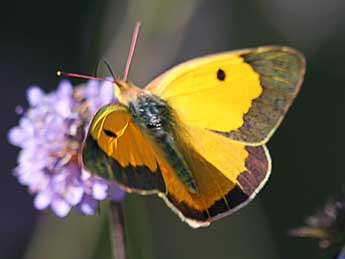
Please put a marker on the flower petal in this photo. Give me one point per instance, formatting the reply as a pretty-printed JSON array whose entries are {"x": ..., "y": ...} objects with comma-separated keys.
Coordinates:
[
  {"x": 42, "y": 200},
  {"x": 16, "y": 136},
  {"x": 116, "y": 193},
  {"x": 65, "y": 89},
  {"x": 74, "y": 195},
  {"x": 106, "y": 92},
  {"x": 34, "y": 95},
  {"x": 60, "y": 207},
  {"x": 88, "y": 205},
  {"x": 99, "y": 190}
]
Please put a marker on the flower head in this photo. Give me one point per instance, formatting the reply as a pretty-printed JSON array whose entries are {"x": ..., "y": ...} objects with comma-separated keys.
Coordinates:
[
  {"x": 50, "y": 135},
  {"x": 327, "y": 225}
]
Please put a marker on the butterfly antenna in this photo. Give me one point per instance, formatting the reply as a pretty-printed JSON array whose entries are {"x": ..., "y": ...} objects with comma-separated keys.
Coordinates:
[
  {"x": 96, "y": 69},
  {"x": 108, "y": 67},
  {"x": 131, "y": 50},
  {"x": 60, "y": 73},
  {"x": 128, "y": 64}
]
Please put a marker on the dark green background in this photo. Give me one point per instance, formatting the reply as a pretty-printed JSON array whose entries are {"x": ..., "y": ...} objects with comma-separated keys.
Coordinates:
[{"x": 40, "y": 37}]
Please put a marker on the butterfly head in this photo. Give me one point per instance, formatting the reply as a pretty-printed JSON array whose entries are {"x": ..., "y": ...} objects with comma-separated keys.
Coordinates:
[{"x": 125, "y": 91}]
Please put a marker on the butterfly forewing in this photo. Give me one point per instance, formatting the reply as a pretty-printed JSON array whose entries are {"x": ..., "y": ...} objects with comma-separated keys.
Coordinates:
[
  {"x": 116, "y": 149},
  {"x": 242, "y": 94}
]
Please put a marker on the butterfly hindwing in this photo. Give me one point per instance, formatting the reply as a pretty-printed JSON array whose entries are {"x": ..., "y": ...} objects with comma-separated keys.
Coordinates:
[
  {"x": 242, "y": 94},
  {"x": 228, "y": 174}
]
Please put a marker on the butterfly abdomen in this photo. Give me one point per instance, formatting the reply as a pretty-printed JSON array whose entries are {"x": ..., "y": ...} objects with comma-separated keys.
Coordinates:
[{"x": 155, "y": 117}]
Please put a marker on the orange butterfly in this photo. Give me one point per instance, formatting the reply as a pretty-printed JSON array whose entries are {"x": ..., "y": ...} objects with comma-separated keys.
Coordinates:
[{"x": 196, "y": 135}]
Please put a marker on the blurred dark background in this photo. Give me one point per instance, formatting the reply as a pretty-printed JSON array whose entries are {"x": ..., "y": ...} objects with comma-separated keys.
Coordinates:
[{"x": 40, "y": 37}]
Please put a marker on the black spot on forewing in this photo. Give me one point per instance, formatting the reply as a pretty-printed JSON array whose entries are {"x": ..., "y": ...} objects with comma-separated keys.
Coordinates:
[
  {"x": 221, "y": 74},
  {"x": 109, "y": 133}
]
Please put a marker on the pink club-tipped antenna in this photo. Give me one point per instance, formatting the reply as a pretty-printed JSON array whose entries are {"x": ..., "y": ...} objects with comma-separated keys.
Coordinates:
[
  {"x": 60, "y": 73},
  {"x": 131, "y": 50}
]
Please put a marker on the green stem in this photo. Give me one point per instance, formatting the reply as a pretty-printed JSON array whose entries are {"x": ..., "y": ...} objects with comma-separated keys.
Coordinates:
[{"x": 118, "y": 233}]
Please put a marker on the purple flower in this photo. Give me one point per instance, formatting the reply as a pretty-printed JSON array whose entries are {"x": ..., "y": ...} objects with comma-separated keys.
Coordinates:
[{"x": 50, "y": 135}]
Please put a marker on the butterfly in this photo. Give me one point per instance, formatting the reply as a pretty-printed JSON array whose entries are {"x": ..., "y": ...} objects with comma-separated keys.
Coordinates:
[{"x": 196, "y": 134}]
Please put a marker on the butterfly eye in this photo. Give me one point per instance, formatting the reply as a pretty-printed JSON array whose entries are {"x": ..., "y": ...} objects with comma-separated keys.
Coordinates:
[
  {"x": 109, "y": 133},
  {"x": 220, "y": 75}
]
